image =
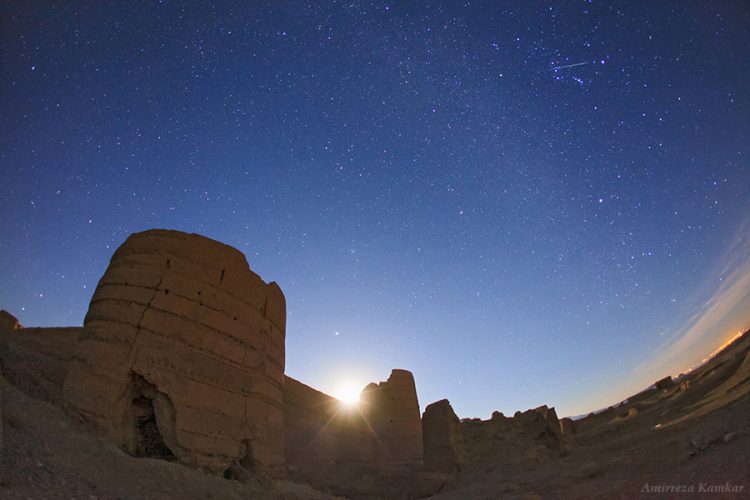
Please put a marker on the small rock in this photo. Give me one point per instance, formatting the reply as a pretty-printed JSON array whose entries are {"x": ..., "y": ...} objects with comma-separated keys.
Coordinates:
[
  {"x": 729, "y": 436},
  {"x": 699, "y": 444}
]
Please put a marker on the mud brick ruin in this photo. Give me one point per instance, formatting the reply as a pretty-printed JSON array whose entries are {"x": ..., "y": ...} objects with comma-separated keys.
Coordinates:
[{"x": 181, "y": 356}]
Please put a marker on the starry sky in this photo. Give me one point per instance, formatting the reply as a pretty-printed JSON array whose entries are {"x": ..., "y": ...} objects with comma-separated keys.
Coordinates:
[{"x": 523, "y": 203}]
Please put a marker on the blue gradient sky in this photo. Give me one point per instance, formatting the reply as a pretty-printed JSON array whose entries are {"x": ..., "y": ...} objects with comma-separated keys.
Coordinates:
[{"x": 524, "y": 204}]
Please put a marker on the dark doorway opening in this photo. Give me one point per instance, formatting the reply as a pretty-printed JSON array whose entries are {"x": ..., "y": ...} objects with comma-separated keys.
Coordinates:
[{"x": 148, "y": 441}]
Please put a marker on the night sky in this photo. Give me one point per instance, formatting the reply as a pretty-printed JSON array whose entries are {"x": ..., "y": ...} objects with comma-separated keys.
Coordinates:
[{"x": 523, "y": 203}]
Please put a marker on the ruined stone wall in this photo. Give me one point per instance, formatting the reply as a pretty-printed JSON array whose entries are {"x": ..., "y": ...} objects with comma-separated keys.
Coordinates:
[
  {"x": 36, "y": 359},
  {"x": 8, "y": 321},
  {"x": 2, "y": 422},
  {"x": 392, "y": 409},
  {"x": 182, "y": 356},
  {"x": 567, "y": 426},
  {"x": 183, "y": 351},
  {"x": 384, "y": 427},
  {"x": 320, "y": 430},
  {"x": 442, "y": 436},
  {"x": 532, "y": 436}
]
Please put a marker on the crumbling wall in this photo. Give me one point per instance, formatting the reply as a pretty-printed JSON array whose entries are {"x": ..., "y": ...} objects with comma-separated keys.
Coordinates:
[
  {"x": 36, "y": 359},
  {"x": 567, "y": 426},
  {"x": 319, "y": 430},
  {"x": 392, "y": 409},
  {"x": 384, "y": 427},
  {"x": 2, "y": 421},
  {"x": 540, "y": 423},
  {"x": 185, "y": 317},
  {"x": 8, "y": 321},
  {"x": 442, "y": 437},
  {"x": 533, "y": 436}
]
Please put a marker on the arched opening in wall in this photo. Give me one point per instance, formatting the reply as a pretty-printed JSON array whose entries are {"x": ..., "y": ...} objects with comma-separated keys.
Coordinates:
[{"x": 147, "y": 440}]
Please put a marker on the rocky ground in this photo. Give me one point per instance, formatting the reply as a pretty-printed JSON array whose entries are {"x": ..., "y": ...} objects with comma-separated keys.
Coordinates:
[
  {"x": 690, "y": 435},
  {"x": 693, "y": 435}
]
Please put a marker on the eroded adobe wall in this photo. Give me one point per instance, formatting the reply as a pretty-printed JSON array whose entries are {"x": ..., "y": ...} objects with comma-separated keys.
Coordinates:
[
  {"x": 181, "y": 336},
  {"x": 529, "y": 437},
  {"x": 385, "y": 427},
  {"x": 392, "y": 409},
  {"x": 319, "y": 430},
  {"x": 8, "y": 321},
  {"x": 442, "y": 437},
  {"x": 36, "y": 359}
]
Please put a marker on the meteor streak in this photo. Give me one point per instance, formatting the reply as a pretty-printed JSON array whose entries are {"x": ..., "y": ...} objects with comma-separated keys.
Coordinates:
[{"x": 567, "y": 66}]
